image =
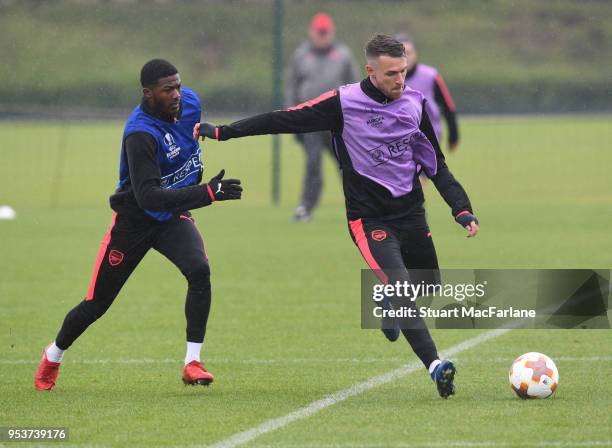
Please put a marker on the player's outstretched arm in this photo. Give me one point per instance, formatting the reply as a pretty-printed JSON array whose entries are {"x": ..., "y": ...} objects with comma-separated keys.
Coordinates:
[
  {"x": 145, "y": 179},
  {"x": 320, "y": 114},
  {"x": 449, "y": 188}
]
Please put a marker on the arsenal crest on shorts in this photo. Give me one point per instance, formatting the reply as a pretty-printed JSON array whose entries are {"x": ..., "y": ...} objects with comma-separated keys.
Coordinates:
[
  {"x": 379, "y": 235},
  {"x": 115, "y": 257}
]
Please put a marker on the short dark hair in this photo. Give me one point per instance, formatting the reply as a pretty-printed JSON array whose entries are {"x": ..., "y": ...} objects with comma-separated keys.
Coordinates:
[
  {"x": 154, "y": 70},
  {"x": 382, "y": 44}
]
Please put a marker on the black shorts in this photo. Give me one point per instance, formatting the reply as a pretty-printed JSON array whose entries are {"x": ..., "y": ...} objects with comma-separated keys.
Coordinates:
[
  {"x": 129, "y": 239},
  {"x": 392, "y": 248}
]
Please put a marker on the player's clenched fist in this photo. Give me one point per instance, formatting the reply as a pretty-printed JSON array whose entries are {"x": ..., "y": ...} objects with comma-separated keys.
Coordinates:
[
  {"x": 224, "y": 190},
  {"x": 205, "y": 129},
  {"x": 468, "y": 221}
]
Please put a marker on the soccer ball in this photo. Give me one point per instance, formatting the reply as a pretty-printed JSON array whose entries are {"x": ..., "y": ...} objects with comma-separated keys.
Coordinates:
[{"x": 534, "y": 375}]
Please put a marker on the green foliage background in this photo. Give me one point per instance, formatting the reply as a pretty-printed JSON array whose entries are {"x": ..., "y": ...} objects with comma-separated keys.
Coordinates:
[{"x": 497, "y": 56}]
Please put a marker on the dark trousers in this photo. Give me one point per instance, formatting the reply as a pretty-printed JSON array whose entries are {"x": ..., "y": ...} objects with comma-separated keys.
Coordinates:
[
  {"x": 315, "y": 144},
  {"x": 124, "y": 246},
  {"x": 392, "y": 248}
]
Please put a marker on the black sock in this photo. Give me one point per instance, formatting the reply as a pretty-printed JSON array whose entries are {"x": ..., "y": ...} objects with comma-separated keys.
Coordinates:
[
  {"x": 422, "y": 344},
  {"x": 197, "y": 308}
]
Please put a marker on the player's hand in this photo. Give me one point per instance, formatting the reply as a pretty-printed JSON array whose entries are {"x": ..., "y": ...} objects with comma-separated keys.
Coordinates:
[
  {"x": 205, "y": 129},
  {"x": 469, "y": 222},
  {"x": 224, "y": 190},
  {"x": 453, "y": 146}
]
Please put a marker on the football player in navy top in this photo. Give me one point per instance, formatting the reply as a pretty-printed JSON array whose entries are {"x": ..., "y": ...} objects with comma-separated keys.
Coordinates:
[{"x": 159, "y": 182}]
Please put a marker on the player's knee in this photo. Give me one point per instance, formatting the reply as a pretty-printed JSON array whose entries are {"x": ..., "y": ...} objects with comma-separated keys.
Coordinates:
[
  {"x": 198, "y": 277},
  {"x": 92, "y": 310}
]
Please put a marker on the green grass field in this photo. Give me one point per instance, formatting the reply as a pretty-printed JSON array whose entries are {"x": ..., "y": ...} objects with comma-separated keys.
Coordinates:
[{"x": 284, "y": 329}]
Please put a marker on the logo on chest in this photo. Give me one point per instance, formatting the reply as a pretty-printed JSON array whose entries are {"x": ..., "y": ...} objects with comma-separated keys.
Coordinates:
[
  {"x": 172, "y": 149},
  {"x": 375, "y": 120},
  {"x": 391, "y": 150}
]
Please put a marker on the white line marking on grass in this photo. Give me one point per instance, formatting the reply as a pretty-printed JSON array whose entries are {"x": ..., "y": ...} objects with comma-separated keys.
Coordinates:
[
  {"x": 556, "y": 359},
  {"x": 452, "y": 444},
  {"x": 461, "y": 359},
  {"x": 98, "y": 361},
  {"x": 356, "y": 389},
  {"x": 215, "y": 360}
]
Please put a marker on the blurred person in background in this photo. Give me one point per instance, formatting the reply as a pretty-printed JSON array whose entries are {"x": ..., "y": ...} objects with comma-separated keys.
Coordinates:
[
  {"x": 427, "y": 80},
  {"x": 319, "y": 64}
]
